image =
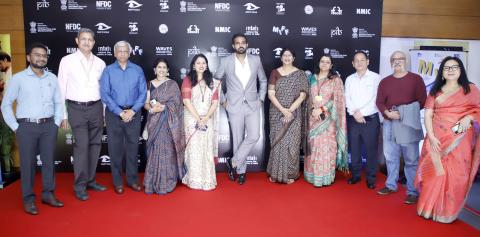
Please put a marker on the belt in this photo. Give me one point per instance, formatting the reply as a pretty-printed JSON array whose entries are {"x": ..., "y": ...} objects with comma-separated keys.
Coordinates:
[
  {"x": 88, "y": 103},
  {"x": 370, "y": 117},
  {"x": 126, "y": 107},
  {"x": 31, "y": 120}
]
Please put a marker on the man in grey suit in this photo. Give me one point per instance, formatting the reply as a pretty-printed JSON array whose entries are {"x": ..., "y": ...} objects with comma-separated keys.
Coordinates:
[{"x": 243, "y": 102}]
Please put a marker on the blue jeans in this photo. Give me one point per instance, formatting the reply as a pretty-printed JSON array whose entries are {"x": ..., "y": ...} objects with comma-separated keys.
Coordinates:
[{"x": 393, "y": 151}]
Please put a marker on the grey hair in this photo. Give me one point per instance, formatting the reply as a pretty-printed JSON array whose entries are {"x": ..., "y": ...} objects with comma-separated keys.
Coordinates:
[
  {"x": 122, "y": 43},
  {"x": 85, "y": 30},
  {"x": 397, "y": 51}
]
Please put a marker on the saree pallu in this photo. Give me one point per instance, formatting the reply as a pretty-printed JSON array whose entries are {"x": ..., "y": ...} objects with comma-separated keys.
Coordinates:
[
  {"x": 327, "y": 141},
  {"x": 444, "y": 178},
  {"x": 166, "y": 141},
  {"x": 285, "y": 138},
  {"x": 202, "y": 146}
]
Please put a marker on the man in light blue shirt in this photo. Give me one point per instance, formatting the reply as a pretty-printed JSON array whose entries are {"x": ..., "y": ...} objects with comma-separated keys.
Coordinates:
[
  {"x": 38, "y": 115},
  {"x": 124, "y": 90}
]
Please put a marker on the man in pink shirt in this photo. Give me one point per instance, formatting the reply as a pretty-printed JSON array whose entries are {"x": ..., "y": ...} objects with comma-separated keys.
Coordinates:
[{"x": 78, "y": 75}]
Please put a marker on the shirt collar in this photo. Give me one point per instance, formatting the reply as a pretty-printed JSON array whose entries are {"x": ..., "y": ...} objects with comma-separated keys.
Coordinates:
[
  {"x": 82, "y": 57},
  {"x": 367, "y": 72},
  {"x": 30, "y": 72},
  {"x": 118, "y": 64}
]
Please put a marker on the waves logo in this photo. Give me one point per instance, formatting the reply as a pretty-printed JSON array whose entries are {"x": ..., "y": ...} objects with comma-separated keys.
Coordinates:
[
  {"x": 133, "y": 5},
  {"x": 251, "y": 8}
]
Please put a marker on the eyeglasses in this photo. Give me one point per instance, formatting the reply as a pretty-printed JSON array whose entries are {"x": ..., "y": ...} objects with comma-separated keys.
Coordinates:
[
  {"x": 451, "y": 68},
  {"x": 398, "y": 59},
  {"x": 37, "y": 55}
]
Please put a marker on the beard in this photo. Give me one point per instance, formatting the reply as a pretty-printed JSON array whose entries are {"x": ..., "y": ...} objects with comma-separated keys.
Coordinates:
[
  {"x": 240, "y": 50},
  {"x": 43, "y": 65}
]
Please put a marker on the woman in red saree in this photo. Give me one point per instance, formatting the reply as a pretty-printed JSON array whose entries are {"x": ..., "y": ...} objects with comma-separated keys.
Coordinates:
[{"x": 449, "y": 159}]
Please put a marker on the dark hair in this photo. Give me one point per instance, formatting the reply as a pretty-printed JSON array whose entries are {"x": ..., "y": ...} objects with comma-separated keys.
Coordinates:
[
  {"x": 289, "y": 50},
  {"x": 440, "y": 81},
  {"x": 239, "y": 35},
  {"x": 36, "y": 45},
  {"x": 360, "y": 52},
  {"x": 207, "y": 75},
  {"x": 331, "y": 73},
  {"x": 4, "y": 56},
  {"x": 160, "y": 60}
]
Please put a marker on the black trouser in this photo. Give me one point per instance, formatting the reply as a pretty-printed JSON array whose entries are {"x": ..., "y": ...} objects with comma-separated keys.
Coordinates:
[
  {"x": 87, "y": 128},
  {"x": 123, "y": 143},
  {"x": 368, "y": 134},
  {"x": 33, "y": 139}
]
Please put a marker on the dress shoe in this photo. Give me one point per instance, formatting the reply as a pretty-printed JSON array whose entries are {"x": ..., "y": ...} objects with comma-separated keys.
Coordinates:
[
  {"x": 52, "y": 201},
  {"x": 411, "y": 199},
  {"x": 119, "y": 189},
  {"x": 96, "y": 187},
  {"x": 230, "y": 170},
  {"x": 241, "y": 178},
  {"x": 353, "y": 180},
  {"x": 30, "y": 208},
  {"x": 81, "y": 195},
  {"x": 135, "y": 187},
  {"x": 385, "y": 191},
  {"x": 371, "y": 185}
]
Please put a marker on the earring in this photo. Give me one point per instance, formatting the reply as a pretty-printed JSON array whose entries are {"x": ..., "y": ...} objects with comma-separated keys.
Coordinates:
[
  {"x": 443, "y": 78},
  {"x": 168, "y": 74}
]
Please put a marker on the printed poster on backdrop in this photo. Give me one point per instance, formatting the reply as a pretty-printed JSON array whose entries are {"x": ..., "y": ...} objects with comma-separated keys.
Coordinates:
[{"x": 177, "y": 30}]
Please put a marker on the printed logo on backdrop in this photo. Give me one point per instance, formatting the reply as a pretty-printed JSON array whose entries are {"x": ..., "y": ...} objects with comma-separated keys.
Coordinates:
[
  {"x": 104, "y": 51},
  {"x": 72, "y": 27},
  {"x": 308, "y": 31},
  {"x": 164, "y": 7},
  {"x": 308, "y": 9},
  {"x": 43, "y": 4},
  {"x": 335, "y": 32},
  {"x": 104, "y": 5},
  {"x": 335, "y": 53},
  {"x": 190, "y": 7},
  {"x": 193, "y": 29},
  {"x": 163, "y": 28},
  {"x": 136, "y": 50},
  {"x": 104, "y": 160},
  {"x": 336, "y": 11},
  {"x": 103, "y": 28},
  {"x": 253, "y": 51},
  {"x": 252, "y": 30},
  {"x": 251, "y": 8},
  {"x": 280, "y": 8},
  {"x": 39, "y": 27},
  {"x": 277, "y": 52},
  {"x": 280, "y": 30},
  {"x": 361, "y": 33},
  {"x": 222, "y": 7},
  {"x": 70, "y": 50},
  {"x": 219, "y": 51},
  {"x": 133, "y": 6},
  {"x": 308, "y": 53},
  {"x": 133, "y": 28},
  {"x": 193, "y": 51},
  {"x": 223, "y": 29},
  {"x": 364, "y": 11},
  {"x": 69, "y": 140},
  {"x": 163, "y": 51},
  {"x": 71, "y": 5}
]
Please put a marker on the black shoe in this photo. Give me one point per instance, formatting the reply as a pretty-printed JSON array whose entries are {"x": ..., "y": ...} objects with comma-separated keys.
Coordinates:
[
  {"x": 52, "y": 201},
  {"x": 96, "y": 187},
  {"x": 353, "y": 180},
  {"x": 241, "y": 178},
  {"x": 81, "y": 195},
  {"x": 30, "y": 208},
  {"x": 230, "y": 170},
  {"x": 371, "y": 185}
]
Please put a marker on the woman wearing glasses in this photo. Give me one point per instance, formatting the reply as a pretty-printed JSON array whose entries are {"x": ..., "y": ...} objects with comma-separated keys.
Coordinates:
[{"x": 449, "y": 158}]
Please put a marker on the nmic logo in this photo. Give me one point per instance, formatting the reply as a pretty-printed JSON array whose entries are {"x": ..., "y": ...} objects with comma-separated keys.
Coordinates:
[
  {"x": 364, "y": 11},
  {"x": 222, "y": 7},
  {"x": 72, "y": 27},
  {"x": 222, "y": 29},
  {"x": 104, "y": 5},
  {"x": 253, "y": 51}
]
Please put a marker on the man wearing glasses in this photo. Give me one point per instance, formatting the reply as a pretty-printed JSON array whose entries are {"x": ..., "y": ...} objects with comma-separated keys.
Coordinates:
[
  {"x": 38, "y": 115},
  {"x": 400, "y": 97}
]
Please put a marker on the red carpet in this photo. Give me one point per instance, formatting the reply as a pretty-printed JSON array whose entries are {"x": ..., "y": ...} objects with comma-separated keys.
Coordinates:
[{"x": 258, "y": 208}]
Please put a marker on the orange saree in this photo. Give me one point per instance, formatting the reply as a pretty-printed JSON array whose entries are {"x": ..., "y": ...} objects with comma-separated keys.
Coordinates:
[{"x": 444, "y": 178}]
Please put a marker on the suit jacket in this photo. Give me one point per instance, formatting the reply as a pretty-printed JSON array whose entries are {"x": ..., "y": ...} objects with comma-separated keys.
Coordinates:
[{"x": 237, "y": 95}]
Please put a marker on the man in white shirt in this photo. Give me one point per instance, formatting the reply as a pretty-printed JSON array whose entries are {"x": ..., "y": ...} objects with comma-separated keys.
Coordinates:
[
  {"x": 78, "y": 75},
  {"x": 363, "y": 122}
]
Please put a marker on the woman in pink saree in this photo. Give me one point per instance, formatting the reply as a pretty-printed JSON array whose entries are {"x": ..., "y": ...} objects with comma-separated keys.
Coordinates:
[{"x": 449, "y": 160}]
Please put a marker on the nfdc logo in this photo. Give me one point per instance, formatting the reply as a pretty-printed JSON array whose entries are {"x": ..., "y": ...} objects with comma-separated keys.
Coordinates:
[{"x": 104, "y": 5}]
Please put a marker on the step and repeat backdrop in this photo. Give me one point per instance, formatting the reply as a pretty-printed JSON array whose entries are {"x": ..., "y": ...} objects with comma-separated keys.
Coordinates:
[{"x": 177, "y": 30}]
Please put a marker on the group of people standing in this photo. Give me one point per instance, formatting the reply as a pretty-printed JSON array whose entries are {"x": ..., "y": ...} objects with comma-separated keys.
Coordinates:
[{"x": 317, "y": 114}]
